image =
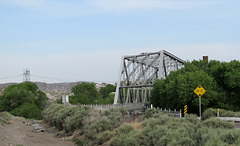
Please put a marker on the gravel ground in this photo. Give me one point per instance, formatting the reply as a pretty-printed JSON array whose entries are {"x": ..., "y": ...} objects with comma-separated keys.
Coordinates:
[{"x": 19, "y": 132}]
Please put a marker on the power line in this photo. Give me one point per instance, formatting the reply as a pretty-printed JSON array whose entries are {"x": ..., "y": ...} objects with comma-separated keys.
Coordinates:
[
  {"x": 14, "y": 76},
  {"x": 44, "y": 77},
  {"x": 55, "y": 79}
]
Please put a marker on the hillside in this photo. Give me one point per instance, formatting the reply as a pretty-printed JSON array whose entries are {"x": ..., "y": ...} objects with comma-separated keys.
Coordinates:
[
  {"x": 64, "y": 87},
  {"x": 53, "y": 90}
]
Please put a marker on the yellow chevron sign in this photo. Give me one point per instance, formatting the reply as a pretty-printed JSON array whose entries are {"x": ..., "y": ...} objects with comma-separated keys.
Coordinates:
[
  {"x": 199, "y": 91},
  {"x": 185, "y": 109}
]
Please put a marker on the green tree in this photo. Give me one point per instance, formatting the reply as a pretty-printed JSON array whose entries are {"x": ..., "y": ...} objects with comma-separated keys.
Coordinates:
[
  {"x": 220, "y": 79},
  {"x": 28, "y": 110},
  {"x": 84, "y": 93},
  {"x": 105, "y": 91},
  {"x": 16, "y": 95},
  {"x": 177, "y": 90},
  {"x": 227, "y": 76}
]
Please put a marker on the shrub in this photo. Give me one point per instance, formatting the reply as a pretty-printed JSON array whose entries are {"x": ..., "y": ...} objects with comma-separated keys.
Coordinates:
[
  {"x": 166, "y": 130},
  {"x": 192, "y": 118},
  {"x": 66, "y": 117},
  {"x": 100, "y": 126},
  {"x": 123, "y": 111},
  {"x": 104, "y": 136},
  {"x": 216, "y": 123},
  {"x": 124, "y": 129},
  {"x": 109, "y": 119},
  {"x": 5, "y": 117},
  {"x": 61, "y": 115},
  {"x": 115, "y": 115},
  {"x": 210, "y": 112},
  {"x": 216, "y": 142},
  {"x": 150, "y": 112},
  {"x": 49, "y": 112},
  {"x": 182, "y": 141},
  {"x": 231, "y": 137},
  {"x": 77, "y": 118},
  {"x": 155, "y": 113},
  {"x": 28, "y": 111},
  {"x": 59, "y": 101},
  {"x": 152, "y": 122},
  {"x": 78, "y": 142},
  {"x": 149, "y": 136},
  {"x": 125, "y": 135}
]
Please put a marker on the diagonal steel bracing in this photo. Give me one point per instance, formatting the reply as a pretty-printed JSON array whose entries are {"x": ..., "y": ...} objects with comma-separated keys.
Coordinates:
[{"x": 139, "y": 72}]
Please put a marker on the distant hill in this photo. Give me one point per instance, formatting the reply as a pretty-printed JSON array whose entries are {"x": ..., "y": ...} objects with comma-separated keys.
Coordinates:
[
  {"x": 53, "y": 90},
  {"x": 63, "y": 87}
]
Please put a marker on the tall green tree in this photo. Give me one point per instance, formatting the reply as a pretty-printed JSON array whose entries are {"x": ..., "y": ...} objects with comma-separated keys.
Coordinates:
[
  {"x": 227, "y": 76},
  {"x": 220, "y": 79},
  {"x": 177, "y": 90},
  {"x": 105, "y": 91},
  {"x": 15, "y": 96},
  {"x": 84, "y": 93}
]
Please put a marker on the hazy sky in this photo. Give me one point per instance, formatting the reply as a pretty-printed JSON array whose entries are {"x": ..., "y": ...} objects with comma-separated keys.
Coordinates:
[{"x": 83, "y": 40}]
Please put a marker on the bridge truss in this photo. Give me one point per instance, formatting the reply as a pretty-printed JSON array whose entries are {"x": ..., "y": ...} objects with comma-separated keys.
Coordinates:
[{"x": 139, "y": 72}]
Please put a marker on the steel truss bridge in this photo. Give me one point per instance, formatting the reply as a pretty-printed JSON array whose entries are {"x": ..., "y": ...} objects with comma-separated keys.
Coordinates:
[{"x": 139, "y": 72}]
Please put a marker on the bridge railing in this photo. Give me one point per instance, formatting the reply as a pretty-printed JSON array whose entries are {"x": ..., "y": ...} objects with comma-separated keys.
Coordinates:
[
  {"x": 174, "y": 112},
  {"x": 108, "y": 106}
]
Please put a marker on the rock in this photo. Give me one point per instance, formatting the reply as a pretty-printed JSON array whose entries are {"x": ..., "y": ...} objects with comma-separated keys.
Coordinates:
[{"x": 38, "y": 128}]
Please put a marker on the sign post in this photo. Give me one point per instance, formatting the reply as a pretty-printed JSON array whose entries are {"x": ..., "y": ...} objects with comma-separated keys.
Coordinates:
[
  {"x": 200, "y": 109},
  {"x": 185, "y": 110},
  {"x": 200, "y": 91}
]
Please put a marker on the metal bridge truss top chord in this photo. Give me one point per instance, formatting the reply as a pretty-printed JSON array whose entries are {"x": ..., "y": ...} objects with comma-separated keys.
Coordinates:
[{"x": 138, "y": 74}]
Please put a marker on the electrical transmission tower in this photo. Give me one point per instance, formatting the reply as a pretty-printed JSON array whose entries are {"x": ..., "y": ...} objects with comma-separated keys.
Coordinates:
[
  {"x": 139, "y": 72},
  {"x": 26, "y": 75}
]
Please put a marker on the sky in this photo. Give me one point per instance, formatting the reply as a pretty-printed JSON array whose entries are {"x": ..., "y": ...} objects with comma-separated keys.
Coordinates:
[{"x": 84, "y": 40}]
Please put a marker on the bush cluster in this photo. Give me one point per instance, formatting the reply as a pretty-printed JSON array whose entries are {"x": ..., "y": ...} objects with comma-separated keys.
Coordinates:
[
  {"x": 5, "y": 117},
  {"x": 100, "y": 131},
  {"x": 161, "y": 129},
  {"x": 66, "y": 117},
  {"x": 158, "y": 128},
  {"x": 24, "y": 100},
  {"x": 210, "y": 112}
]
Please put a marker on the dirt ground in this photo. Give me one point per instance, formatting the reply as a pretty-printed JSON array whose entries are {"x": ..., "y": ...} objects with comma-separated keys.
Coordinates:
[{"x": 19, "y": 133}]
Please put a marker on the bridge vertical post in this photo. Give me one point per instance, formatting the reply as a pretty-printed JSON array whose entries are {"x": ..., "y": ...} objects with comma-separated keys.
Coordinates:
[
  {"x": 119, "y": 81},
  {"x": 160, "y": 73}
]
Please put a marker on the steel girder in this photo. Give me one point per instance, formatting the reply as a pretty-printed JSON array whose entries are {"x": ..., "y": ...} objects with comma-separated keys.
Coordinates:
[{"x": 139, "y": 72}]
